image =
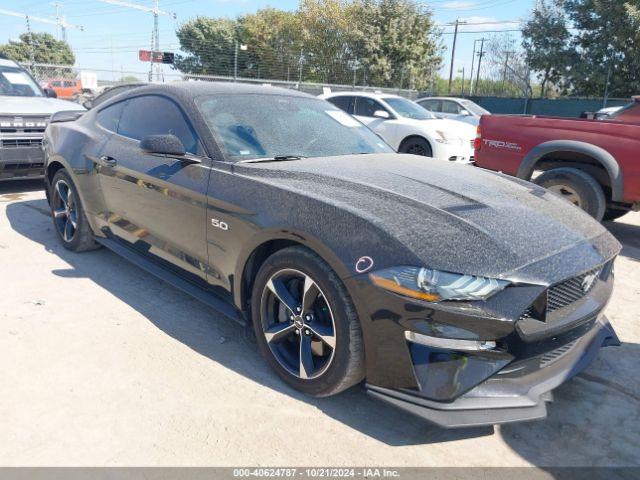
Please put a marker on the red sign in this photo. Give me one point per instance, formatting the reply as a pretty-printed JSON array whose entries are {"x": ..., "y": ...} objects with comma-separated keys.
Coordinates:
[{"x": 155, "y": 57}]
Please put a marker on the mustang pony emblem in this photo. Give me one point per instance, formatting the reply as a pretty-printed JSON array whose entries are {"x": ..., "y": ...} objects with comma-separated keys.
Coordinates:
[{"x": 588, "y": 281}]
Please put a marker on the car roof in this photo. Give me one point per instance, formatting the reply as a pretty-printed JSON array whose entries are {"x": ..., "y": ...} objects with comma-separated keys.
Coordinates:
[
  {"x": 441, "y": 98},
  {"x": 377, "y": 95},
  {"x": 200, "y": 88}
]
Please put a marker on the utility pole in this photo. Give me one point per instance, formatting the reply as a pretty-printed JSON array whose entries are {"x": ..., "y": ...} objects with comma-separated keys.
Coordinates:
[
  {"x": 453, "y": 50},
  {"x": 606, "y": 87},
  {"x": 462, "y": 88},
  {"x": 156, "y": 12},
  {"x": 473, "y": 61},
  {"x": 480, "y": 60},
  {"x": 60, "y": 22},
  {"x": 506, "y": 64}
]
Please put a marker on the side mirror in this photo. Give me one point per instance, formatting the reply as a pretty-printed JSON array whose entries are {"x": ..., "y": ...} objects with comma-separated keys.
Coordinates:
[
  {"x": 50, "y": 92},
  {"x": 465, "y": 113},
  {"x": 382, "y": 114},
  {"x": 163, "y": 144},
  {"x": 88, "y": 104}
]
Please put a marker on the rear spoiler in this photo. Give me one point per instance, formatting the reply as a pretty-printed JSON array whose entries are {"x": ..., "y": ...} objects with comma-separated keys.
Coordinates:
[{"x": 66, "y": 116}]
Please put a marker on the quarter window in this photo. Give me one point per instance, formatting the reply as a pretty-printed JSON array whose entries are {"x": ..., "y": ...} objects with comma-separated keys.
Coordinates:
[
  {"x": 156, "y": 115},
  {"x": 109, "y": 117}
]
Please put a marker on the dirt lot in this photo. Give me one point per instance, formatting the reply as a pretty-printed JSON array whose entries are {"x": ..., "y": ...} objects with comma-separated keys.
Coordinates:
[{"x": 105, "y": 365}]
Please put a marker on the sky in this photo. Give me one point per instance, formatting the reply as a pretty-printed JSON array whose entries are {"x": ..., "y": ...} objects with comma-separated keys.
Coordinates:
[{"x": 113, "y": 34}]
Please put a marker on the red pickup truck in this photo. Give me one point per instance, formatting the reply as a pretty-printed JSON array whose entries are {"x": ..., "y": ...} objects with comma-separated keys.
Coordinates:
[{"x": 593, "y": 163}]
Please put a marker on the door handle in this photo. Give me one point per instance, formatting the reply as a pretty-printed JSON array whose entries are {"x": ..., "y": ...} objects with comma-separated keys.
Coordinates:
[{"x": 107, "y": 161}]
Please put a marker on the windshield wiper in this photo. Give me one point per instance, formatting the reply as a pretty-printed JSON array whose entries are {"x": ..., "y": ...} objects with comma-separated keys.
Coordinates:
[{"x": 277, "y": 158}]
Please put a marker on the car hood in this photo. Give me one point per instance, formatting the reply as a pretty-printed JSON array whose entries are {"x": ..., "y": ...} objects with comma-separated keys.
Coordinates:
[
  {"x": 34, "y": 105},
  {"x": 453, "y": 217},
  {"x": 453, "y": 127}
]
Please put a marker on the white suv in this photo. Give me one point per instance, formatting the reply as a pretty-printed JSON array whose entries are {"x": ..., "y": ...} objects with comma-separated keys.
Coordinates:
[{"x": 408, "y": 127}]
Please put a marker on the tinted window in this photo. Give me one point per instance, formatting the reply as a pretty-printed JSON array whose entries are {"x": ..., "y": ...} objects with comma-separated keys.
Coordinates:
[
  {"x": 155, "y": 115},
  {"x": 343, "y": 103},
  {"x": 109, "y": 117},
  {"x": 264, "y": 126},
  {"x": 367, "y": 106},
  {"x": 450, "y": 107},
  {"x": 431, "y": 105},
  {"x": 408, "y": 109}
]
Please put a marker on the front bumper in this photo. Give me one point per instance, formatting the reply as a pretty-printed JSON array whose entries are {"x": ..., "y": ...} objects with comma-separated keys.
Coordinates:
[
  {"x": 21, "y": 157},
  {"x": 518, "y": 392},
  {"x": 453, "y": 153}
]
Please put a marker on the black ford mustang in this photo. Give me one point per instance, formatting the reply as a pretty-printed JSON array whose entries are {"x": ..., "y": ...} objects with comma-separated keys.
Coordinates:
[{"x": 460, "y": 295}]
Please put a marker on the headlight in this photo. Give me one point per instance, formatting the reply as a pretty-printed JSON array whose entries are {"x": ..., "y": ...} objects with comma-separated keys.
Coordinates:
[
  {"x": 434, "y": 285},
  {"x": 444, "y": 137}
]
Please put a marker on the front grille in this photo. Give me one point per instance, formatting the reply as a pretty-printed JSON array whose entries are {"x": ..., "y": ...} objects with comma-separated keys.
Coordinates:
[
  {"x": 572, "y": 290},
  {"x": 555, "y": 355},
  {"x": 20, "y": 142}
]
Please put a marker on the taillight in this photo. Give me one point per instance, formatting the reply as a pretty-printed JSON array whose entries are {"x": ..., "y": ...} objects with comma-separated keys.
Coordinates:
[{"x": 477, "y": 143}]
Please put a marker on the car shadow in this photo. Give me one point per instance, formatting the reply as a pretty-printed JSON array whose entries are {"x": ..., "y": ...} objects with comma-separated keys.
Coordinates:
[
  {"x": 221, "y": 340},
  {"x": 15, "y": 189},
  {"x": 628, "y": 234},
  {"x": 590, "y": 412}
]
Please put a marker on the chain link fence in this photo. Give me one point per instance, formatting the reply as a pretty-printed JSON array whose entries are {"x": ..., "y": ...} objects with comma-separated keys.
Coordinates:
[{"x": 67, "y": 80}]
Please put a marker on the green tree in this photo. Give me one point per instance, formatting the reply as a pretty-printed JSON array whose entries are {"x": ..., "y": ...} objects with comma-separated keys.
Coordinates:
[
  {"x": 606, "y": 45},
  {"x": 39, "y": 48},
  {"x": 209, "y": 45},
  {"x": 273, "y": 42},
  {"x": 398, "y": 43},
  {"x": 545, "y": 39}
]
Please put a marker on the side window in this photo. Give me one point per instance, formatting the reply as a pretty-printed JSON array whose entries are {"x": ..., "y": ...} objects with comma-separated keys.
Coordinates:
[
  {"x": 431, "y": 105},
  {"x": 366, "y": 107},
  {"x": 109, "y": 117},
  {"x": 343, "y": 103},
  {"x": 56, "y": 83},
  {"x": 450, "y": 107},
  {"x": 156, "y": 115},
  {"x": 69, "y": 83}
]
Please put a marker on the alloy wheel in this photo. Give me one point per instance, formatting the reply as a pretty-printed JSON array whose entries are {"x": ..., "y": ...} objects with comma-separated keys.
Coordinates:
[
  {"x": 417, "y": 149},
  {"x": 64, "y": 210},
  {"x": 298, "y": 324}
]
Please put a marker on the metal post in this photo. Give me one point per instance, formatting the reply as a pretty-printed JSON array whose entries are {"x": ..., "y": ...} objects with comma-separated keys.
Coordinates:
[
  {"x": 462, "y": 88},
  {"x": 453, "y": 53},
  {"x": 480, "y": 61},
  {"x": 473, "y": 61},
  {"x": 504, "y": 75},
  {"x": 606, "y": 88},
  {"x": 235, "y": 64},
  {"x": 300, "y": 69}
]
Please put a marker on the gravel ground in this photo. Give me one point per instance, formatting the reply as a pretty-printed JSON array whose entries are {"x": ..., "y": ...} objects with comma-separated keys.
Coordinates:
[{"x": 105, "y": 365}]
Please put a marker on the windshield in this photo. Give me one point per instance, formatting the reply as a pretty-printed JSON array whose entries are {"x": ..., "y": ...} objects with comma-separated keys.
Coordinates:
[
  {"x": 474, "y": 108},
  {"x": 254, "y": 126},
  {"x": 15, "y": 82},
  {"x": 408, "y": 109}
]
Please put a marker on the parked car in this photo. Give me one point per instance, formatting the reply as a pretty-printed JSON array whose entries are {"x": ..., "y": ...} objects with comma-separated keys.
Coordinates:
[
  {"x": 109, "y": 92},
  {"x": 68, "y": 89},
  {"x": 591, "y": 163},
  {"x": 460, "y": 295},
  {"x": 453, "y": 108},
  {"x": 607, "y": 112},
  {"x": 407, "y": 127},
  {"x": 25, "y": 109}
]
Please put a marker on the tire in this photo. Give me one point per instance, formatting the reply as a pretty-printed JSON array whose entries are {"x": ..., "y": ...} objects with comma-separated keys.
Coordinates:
[
  {"x": 331, "y": 369},
  {"x": 612, "y": 214},
  {"x": 577, "y": 187},
  {"x": 416, "y": 146},
  {"x": 65, "y": 213}
]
